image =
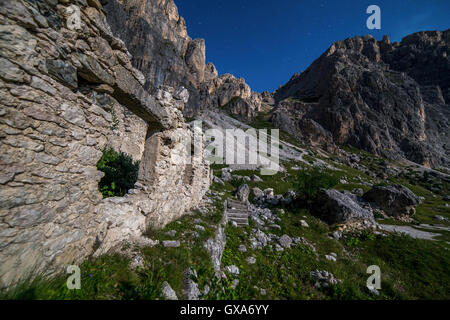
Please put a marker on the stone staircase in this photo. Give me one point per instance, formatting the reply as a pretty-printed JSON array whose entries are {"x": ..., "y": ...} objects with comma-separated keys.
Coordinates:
[{"x": 237, "y": 211}]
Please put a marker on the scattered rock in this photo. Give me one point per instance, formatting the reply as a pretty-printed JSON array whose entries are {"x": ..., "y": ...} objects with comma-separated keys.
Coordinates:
[
  {"x": 195, "y": 235},
  {"x": 278, "y": 248},
  {"x": 374, "y": 291},
  {"x": 171, "y": 233},
  {"x": 324, "y": 279},
  {"x": 137, "y": 262},
  {"x": 233, "y": 223},
  {"x": 251, "y": 260},
  {"x": 168, "y": 293},
  {"x": 256, "y": 178},
  {"x": 242, "y": 248},
  {"x": 171, "y": 243},
  {"x": 226, "y": 174},
  {"x": 232, "y": 270},
  {"x": 257, "y": 192},
  {"x": 190, "y": 288},
  {"x": 199, "y": 227},
  {"x": 304, "y": 223},
  {"x": 218, "y": 180},
  {"x": 441, "y": 218},
  {"x": 330, "y": 257},
  {"x": 206, "y": 290},
  {"x": 337, "y": 235},
  {"x": 285, "y": 241},
  {"x": 275, "y": 226},
  {"x": 234, "y": 284}
]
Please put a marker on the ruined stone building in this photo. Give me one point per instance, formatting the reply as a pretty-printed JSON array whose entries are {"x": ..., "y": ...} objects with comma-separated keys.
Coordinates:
[{"x": 68, "y": 89}]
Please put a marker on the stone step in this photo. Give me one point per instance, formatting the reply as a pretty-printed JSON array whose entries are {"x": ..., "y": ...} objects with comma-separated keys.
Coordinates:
[
  {"x": 236, "y": 204},
  {"x": 237, "y": 211},
  {"x": 241, "y": 222},
  {"x": 237, "y": 217},
  {"x": 238, "y": 208}
]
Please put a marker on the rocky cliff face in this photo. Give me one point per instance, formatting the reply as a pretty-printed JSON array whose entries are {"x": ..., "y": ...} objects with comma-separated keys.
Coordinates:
[
  {"x": 156, "y": 36},
  {"x": 67, "y": 90},
  {"x": 391, "y": 99},
  {"x": 231, "y": 95}
]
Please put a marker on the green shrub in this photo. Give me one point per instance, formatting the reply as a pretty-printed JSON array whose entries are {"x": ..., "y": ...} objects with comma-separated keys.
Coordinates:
[
  {"x": 121, "y": 173},
  {"x": 352, "y": 242},
  {"x": 308, "y": 183}
]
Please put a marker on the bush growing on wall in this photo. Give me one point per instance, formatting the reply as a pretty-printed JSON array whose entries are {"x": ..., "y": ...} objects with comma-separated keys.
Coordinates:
[{"x": 121, "y": 173}]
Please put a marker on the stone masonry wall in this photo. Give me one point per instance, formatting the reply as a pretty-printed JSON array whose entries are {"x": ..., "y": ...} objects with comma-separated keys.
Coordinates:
[{"x": 64, "y": 95}]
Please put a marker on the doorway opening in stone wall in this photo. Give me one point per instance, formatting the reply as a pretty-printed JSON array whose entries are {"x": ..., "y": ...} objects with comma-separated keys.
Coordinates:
[
  {"x": 121, "y": 173},
  {"x": 147, "y": 166},
  {"x": 188, "y": 177}
]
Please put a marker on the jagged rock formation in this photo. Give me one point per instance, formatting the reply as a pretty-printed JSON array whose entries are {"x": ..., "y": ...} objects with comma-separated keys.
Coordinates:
[
  {"x": 391, "y": 99},
  {"x": 156, "y": 36},
  {"x": 231, "y": 95},
  {"x": 67, "y": 91}
]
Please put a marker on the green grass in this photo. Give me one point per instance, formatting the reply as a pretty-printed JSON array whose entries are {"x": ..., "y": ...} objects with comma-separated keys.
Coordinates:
[{"x": 105, "y": 278}]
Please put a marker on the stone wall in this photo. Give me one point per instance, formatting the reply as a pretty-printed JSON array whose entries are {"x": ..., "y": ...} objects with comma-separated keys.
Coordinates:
[{"x": 65, "y": 95}]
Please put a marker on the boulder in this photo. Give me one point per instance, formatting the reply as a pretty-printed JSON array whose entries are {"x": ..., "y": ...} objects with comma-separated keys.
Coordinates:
[
  {"x": 333, "y": 206},
  {"x": 395, "y": 200},
  {"x": 243, "y": 192}
]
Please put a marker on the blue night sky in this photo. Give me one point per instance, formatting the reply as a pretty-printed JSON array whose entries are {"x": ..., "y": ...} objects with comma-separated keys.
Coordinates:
[{"x": 266, "y": 41}]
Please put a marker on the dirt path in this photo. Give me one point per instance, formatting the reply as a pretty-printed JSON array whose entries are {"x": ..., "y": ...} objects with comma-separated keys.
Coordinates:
[{"x": 418, "y": 234}]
